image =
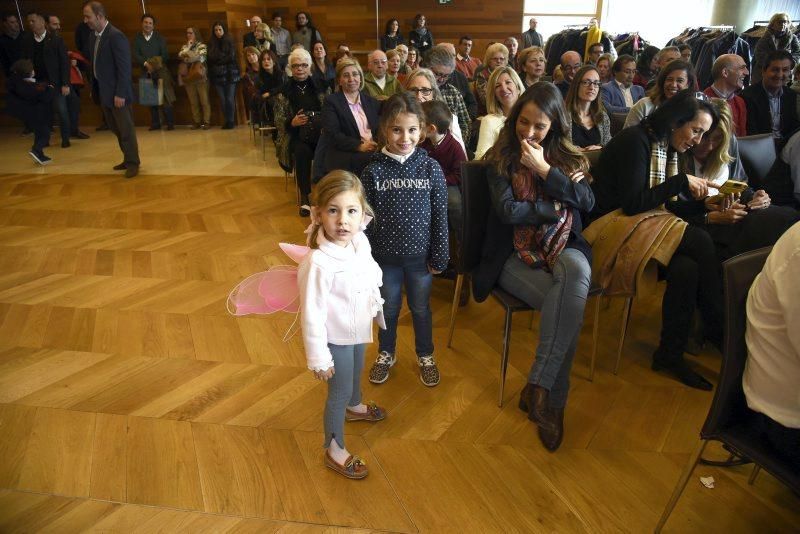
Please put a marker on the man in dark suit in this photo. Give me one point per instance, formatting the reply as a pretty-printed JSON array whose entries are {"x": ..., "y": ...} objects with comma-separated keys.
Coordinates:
[
  {"x": 51, "y": 64},
  {"x": 620, "y": 94},
  {"x": 771, "y": 105},
  {"x": 111, "y": 66}
]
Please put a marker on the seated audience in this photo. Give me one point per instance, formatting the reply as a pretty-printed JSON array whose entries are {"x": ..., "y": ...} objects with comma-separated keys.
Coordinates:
[
  {"x": 772, "y": 370},
  {"x": 638, "y": 172},
  {"x": 392, "y": 36},
  {"x": 446, "y": 150},
  {"x": 306, "y": 34},
  {"x": 342, "y": 51},
  {"x": 672, "y": 79},
  {"x": 422, "y": 83},
  {"x": 496, "y": 56},
  {"x": 506, "y": 88},
  {"x": 646, "y": 66},
  {"x": 403, "y": 50},
  {"x": 377, "y": 82},
  {"x": 570, "y": 63},
  {"x": 442, "y": 64},
  {"x": 412, "y": 58},
  {"x": 393, "y": 65},
  {"x": 729, "y": 73},
  {"x": 349, "y": 121},
  {"x": 531, "y": 65},
  {"x": 534, "y": 248},
  {"x": 620, "y": 94},
  {"x": 604, "y": 63},
  {"x": 30, "y": 102},
  {"x": 771, "y": 105},
  {"x": 322, "y": 70},
  {"x": 594, "y": 53},
  {"x": 777, "y": 36},
  {"x": 466, "y": 64},
  {"x": 782, "y": 182},
  {"x": 588, "y": 122},
  {"x": 270, "y": 80},
  {"x": 686, "y": 52},
  {"x": 194, "y": 52},
  {"x": 513, "y": 46}
]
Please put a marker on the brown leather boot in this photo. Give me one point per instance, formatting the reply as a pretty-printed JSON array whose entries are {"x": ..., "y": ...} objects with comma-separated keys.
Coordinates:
[
  {"x": 551, "y": 432},
  {"x": 533, "y": 400}
]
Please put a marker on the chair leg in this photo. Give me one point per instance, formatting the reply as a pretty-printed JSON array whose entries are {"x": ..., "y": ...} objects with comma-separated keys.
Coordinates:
[
  {"x": 504, "y": 360},
  {"x": 454, "y": 308},
  {"x": 595, "y": 335},
  {"x": 754, "y": 474},
  {"x": 626, "y": 317},
  {"x": 676, "y": 493}
]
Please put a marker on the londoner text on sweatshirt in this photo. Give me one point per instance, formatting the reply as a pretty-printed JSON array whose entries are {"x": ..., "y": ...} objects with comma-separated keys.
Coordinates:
[{"x": 410, "y": 203}]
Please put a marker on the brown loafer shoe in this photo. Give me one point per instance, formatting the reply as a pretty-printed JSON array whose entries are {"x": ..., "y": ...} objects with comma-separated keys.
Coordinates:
[
  {"x": 131, "y": 171},
  {"x": 354, "y": 467},
  {"x": 551, "y": 432},
  {"x": 373, "y": 413},
  {"x": 533, "y": 400},
  {"x": 121, "y": 167}
]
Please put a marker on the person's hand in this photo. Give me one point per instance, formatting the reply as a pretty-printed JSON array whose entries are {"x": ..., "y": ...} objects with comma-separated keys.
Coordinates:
[
  {"x": 760, "y": 200},
  {"x": 698, "y": 187},
  {"x": 265, "y": 95},
  {"x": 533, "y": 158},
  {"x": 65, "y": 90},
  {"x": 324, "y": 375},
  {"x": 368, "y": 146},
  {"x": 299, "y": 119},
  {"x": 74, "y": 62},
  {"x": 577, "y": 176},
  {"x": 729, "y": 216},
  {"x": 119, "y": 102},
  {"x": 591, "y": 147},
  {"x": 719, "y": 202},
  {"x": 432, "y": 270}
]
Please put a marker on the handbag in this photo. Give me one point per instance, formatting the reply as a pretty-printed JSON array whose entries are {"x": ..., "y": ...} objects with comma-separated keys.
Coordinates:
[
  {"x": 309, "y": 132},
  {"x": 151, "y": 94},
  {"x": 197, "y": 72}
]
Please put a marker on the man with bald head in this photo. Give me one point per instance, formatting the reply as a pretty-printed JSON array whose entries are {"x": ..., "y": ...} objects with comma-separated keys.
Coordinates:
[
  {"x": 729, "y": 72},
  {"x": 570, "y": 63},
  {"x": 249, "y": 39},
  {"x": 377, "y": 83}
]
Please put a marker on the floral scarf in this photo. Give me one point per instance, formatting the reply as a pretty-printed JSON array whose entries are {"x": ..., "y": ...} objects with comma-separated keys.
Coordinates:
[{"x": 539, "y": 246}]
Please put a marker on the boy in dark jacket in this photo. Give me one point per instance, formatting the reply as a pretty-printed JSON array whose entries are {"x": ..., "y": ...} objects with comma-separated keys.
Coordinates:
[{"x": 30, "y": 102}]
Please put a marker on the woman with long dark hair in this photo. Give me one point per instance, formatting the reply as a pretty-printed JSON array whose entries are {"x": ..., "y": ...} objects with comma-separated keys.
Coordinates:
[
  {"x": 271, "y": 78},
  {"x": 223, "y": 71},
  {"x": 534, "y": 248},
  {"x": 646, "y": 66},
  {"x": 322, "y": 70},
  {"x": 676, "y": 76},
  {"x": 590, "y": 127},
  {"x": 392, "y": 36}
]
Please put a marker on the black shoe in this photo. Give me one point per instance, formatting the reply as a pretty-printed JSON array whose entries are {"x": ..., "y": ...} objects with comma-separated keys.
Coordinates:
[
  {"x": 227, "y": 126},
  {"x": 101, "y": 128},
  {"x": 80, "y": 135},
  {"x": 65, "y": 143},
  {"x": 205, "y": 126},
  {"x": 131, "y": 171},
  {"x": 533, "y": 401},
  {"x": 39, "y": 157},
  {"x": 194, "y": 127},
  {"x": 551, "y": 433},
  {"x": 681, "y": 370},
  {"x": 170, "y": 127},
  {"x": 153, "y": 128},
  {"x": 121, "y": 167}
]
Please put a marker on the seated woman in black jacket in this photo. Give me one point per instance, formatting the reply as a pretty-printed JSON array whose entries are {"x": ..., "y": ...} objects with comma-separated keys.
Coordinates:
[
  {"x": 533, "y": 247},
  {"x": 271, "y": 78},
  {"x": 638, "y": 171},
  {"x": 349, "y": 121}
]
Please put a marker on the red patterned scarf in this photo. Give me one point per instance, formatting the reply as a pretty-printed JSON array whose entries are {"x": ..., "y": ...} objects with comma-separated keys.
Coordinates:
[{"x": 539, "y": 246}]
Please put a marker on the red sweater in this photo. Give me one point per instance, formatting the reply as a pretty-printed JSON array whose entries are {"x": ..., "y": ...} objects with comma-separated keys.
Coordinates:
[
  {"x": 449, "y": 155},
  {"x": 738, "y": 111}
]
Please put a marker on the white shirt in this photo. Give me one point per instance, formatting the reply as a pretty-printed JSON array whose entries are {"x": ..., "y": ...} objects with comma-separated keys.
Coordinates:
[
  {"x": 396, "y": 157},
  {"x": 147, "y": 37},
  {"x": 491, "y": 125},
  {"x": 380, "y": 82},
  {"x": 339, "y": 297},
  {"x": 626, "y": 94},
  {"x": 791, "y": 156},
  {"x": 771, "y": 380},
  {"x": 40, "y": 38}
]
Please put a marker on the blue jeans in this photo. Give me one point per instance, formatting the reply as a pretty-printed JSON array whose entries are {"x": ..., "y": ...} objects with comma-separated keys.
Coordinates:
[
  {"x": 344, "y": 389},
  {"x": 227, "y": 100},
  {"x": 60, "y": 107},
  {"x": 561, "y": 297},
  {"x": 414, "y": 273}
]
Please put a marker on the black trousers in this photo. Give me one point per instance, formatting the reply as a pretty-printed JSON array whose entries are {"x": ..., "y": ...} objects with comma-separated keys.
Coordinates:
[
  {"x": 785, "y": 440},
  {"x": 303, "y": 154},
  {"x": 120, "y": 121},
  {"x": 694, "y": 280}
]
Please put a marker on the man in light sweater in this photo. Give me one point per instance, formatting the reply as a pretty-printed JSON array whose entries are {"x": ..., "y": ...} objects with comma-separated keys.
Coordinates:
[{"x": 377, "y": 83}]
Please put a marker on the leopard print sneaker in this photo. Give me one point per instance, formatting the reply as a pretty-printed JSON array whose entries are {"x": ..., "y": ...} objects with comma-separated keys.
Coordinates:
[
  {"x": 380, "y": 369},
  {"x": 428, "y": 371}
]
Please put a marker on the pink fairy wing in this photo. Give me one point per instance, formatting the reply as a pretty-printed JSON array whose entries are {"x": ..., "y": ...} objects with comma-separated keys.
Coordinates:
[
  {"x": 295, "y": 252},
  {"x": 266, "y": 292}
]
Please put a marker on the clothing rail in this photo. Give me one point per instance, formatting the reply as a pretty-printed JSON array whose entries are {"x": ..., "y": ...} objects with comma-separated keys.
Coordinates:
[
  {"x": 720, "y": 27},
  {"x": 767, "y": 22}
]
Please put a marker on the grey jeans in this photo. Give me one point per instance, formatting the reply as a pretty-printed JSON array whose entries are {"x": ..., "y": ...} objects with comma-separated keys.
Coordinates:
[
  {"x": 561, "y": 298},
  {"x": 344, "y": 389}
]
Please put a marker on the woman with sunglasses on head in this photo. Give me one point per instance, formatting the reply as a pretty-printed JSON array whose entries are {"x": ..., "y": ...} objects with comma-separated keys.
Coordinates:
[{"x": 590, "y": 127}]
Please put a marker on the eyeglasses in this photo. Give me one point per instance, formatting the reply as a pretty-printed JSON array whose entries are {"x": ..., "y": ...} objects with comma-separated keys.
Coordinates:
[
  {"x": 424, "y": 91},
  {"x": 590, "y": 83},
  {"x": 441, "y": 76},
  {"x": 378, "y": 62},
  {"x": 299, "y": 65}
]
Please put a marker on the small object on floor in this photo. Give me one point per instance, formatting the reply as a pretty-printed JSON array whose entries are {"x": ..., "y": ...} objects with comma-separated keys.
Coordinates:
[
  {"x": 428, "y": 371},
  {"x": 39, "y": 157},
  {"x": 65, "y": 144},
  {"x": 101, "y": 128},
  {"x": 121, "y": 166},
  {"x": 354, "y": 467},
  {"x": 707, "y": 482},
  {"x": 131, "y": 171},
  {"x": 80, "y": 135}
]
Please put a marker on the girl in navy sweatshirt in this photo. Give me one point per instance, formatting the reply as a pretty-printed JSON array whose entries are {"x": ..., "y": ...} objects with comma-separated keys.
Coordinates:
[{"x": 408, "y": 193}]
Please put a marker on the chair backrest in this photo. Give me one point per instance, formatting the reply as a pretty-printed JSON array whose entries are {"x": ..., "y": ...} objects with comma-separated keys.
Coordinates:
[
  {"x": 475, "y": 205},
  {"x": 617, "y": 122},
  {"x": 729, "y": 402},
  {"x": 758, "y": 156}
]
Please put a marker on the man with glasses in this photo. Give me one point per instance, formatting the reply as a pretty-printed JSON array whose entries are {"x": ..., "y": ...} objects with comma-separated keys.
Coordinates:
[
  {"x": 378, "y": 84},
  {"x": 620, "y": 94},
  {"x": 570, "y": 63},
  {"x": 729, "y": 73},
  {"x": 443, "y": 64}
]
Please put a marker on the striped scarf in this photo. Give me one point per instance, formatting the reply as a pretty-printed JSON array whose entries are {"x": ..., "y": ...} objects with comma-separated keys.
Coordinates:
[
  {"x": 539, "y": 246},
  {"x": 660, "y": 166}
]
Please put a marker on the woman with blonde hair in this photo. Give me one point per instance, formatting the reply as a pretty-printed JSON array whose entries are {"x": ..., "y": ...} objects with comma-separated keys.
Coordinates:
[
  {"x": 506, "y": 88},
  {"x": 263, "y": 35},
  {"x": 496, "y": 56},
  {"x": 590, "y": 127},
  {"x": 531, "y": 64}
]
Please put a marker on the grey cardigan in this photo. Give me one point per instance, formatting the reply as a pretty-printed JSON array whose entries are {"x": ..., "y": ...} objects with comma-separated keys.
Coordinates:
[{"x": 604, "y": 127}]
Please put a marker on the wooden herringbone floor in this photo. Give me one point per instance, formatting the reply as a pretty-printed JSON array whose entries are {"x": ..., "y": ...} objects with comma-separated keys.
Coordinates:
[{"x": 130, "y": 400}]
